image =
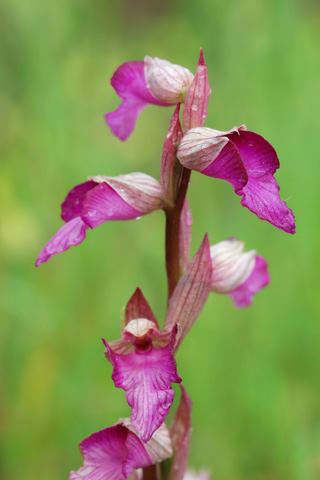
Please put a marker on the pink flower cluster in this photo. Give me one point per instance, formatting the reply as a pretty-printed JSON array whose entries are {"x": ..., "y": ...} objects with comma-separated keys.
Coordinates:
[{"x": 143, "y": 360}]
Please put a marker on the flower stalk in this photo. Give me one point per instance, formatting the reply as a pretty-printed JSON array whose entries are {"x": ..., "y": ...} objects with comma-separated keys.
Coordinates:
[{"x": 173, "y": 224}]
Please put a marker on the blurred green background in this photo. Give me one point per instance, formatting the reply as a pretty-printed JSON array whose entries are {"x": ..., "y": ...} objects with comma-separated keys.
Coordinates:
[{"x": 253, "y": 374}]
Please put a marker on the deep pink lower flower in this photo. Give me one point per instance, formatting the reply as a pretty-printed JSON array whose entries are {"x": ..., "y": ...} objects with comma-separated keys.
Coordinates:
[
  {"x": 115, "y": 452},
  {"x": 144, "y": 366},
  {"x": 239, "y": 274},
  {"x": 244, "y": 159},
  {"x": 101, "y": 199},
  {"x": 140, "y": 83}
]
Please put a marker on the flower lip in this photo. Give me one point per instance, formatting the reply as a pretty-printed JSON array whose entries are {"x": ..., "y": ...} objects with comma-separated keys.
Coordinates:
[
  {"x": 146, "y": 375},
  {"x": 166, "y": 81}
]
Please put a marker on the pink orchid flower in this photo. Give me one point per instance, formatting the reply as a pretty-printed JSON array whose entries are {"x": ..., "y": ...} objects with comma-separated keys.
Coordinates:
[
  {"x": 116, "y": 452},
  {"x": 239, "y": 274},
  {"x": 143, "y": 359},
  {"x": 144, "y": 366},
  {"x": 244, "y": 159},
  {"x": 101, "y": 199},
  {"x": 140, "y": 83}
]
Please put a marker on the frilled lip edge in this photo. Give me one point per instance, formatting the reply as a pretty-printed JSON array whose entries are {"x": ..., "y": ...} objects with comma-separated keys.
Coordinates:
[{"x": 147, "y": 376}]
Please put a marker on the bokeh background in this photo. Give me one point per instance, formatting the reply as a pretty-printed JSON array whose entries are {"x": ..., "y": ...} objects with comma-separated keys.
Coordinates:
[{"x": 253, "y": 374}]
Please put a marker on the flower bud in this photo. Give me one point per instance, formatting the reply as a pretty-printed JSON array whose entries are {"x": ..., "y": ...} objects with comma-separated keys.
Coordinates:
[
  {"x": 166, "y": 81},
  {"x": 230, "y": 265}
]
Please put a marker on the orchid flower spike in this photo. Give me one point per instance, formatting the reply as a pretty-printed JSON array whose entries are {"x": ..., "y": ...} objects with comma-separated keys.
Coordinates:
[
  {"x": 101, "y": 199},
  {"x": 244, "y": 159},
  {"x": 115, "y": 452},
  {"x": 237, "y": 273},
  {"x": 140, "y": 83}
]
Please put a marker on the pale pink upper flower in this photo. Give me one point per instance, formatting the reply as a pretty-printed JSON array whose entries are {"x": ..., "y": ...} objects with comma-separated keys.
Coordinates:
[
  {"x": 139, "y": 84},
  {"x": 231, "y": 266},
  {"x": 237, "y": 273},
  {"x": 244, "y": 159},
  {"x": 101, "y": 199}
]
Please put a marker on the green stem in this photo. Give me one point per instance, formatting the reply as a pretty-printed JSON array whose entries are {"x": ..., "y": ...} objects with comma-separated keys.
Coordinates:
[{"x": 173, "y": 214}]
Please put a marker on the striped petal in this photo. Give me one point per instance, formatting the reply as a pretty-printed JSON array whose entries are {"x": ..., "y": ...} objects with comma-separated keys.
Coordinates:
[{"x": 146, "y": 376}]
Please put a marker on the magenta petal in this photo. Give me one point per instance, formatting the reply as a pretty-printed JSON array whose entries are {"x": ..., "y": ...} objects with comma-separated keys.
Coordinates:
[
  {"x": 129, "y": 83},
  {"x": 261, "y": 193},
  {"x": 146, "y": 376},
  {"x": 228, "y": 166},
  {"x": 257, "y": 154},
  {"x": 72, "y": 233},
  {"x": 103, "y": 203},
  {"x": 111, "y": 454},
  {"x": 197, "y": 98},
  {"x": 261, "y": 196},
  {"x": 72, "y": 205},
  {"x": 259, "y": 278},
  {"x": 122, "y": 121}
]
